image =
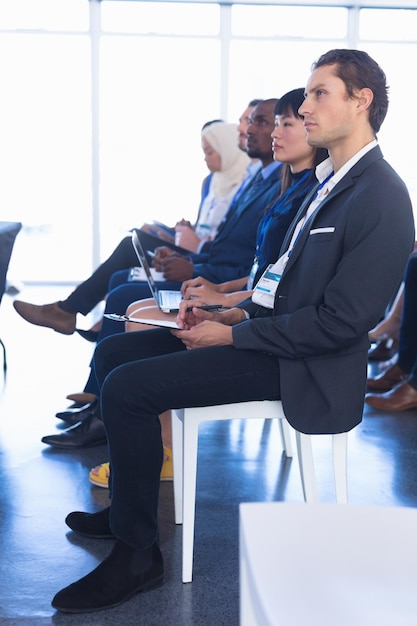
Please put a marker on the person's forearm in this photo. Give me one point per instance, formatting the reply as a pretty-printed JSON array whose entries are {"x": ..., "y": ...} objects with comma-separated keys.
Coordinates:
[
  {"x": 232, "y": 285},
  {"x": 232, "y": 316},
  {"x": 230, "y": 300}
]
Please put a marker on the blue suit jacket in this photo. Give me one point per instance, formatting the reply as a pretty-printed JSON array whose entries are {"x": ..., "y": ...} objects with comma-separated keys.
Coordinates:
[
  {"x": 343, "y": 270},
  {"x": 232, "y": 251}
]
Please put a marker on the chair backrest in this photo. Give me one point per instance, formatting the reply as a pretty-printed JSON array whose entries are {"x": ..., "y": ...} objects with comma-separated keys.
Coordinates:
[{"x": 8, "y": 234}]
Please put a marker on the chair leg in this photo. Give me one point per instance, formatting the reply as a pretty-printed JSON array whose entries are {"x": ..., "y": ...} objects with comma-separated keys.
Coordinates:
[
  {"x": 284, "y": 430},
  {"x": 307, "y": 472},
  {"x": 340, "y": 466},
  {"x": 177, "y": 417},
  {"x": 190, "y": 443},
  {"x": 4, "y": 357},
  {"x": 306, "y": 464}
]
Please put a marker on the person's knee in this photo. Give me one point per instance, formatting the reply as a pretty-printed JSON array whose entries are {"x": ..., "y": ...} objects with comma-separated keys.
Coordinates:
[
  {"x": 138, "y": 305},
  {"x": 122, "y": 296},
  {"x": 112, "y": 387},
  {"x": 411, "y": 271},
  {"x": 118, "y": 278},
  {"x": 101, "y": 359},
  {"x": 119, "y": 394}
]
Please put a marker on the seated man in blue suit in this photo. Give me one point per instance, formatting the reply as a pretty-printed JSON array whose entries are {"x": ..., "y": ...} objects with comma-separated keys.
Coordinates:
[
  {"x": 231, "y": 253},
  {"x": 307, "y": 343}
]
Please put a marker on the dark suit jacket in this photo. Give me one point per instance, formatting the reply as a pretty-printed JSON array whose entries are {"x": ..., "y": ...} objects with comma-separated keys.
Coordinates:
[
  {"x": 340, "y": 276},
  {"x": 232, "y": 251}
]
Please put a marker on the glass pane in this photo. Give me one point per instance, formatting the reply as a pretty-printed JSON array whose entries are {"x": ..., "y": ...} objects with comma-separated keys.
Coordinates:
[
  {"x": 389, "y": 25},
  {"x": 286, "y": 21},
  {"x": 276, "y": 77},
  {"x": 44, "y": 14},
  {"x": 151, "y": 115},
  {"x": 398, "y": 144},
  {"x": 160, "y": 18},
  {"x": 45, "y": 156}
]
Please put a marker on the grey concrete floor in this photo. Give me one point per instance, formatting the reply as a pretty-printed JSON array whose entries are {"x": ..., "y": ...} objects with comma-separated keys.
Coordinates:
[{"x": 238, "y": 462}]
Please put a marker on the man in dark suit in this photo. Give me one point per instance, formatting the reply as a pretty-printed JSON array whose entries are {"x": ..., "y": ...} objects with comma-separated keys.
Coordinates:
[{"x": 307, "y": 343}]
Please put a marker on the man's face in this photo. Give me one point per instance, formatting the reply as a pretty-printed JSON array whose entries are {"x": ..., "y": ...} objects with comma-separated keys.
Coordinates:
[
  {"x": 329, "y": 113},
  {"x": 261, "y": 125},
  {"x": 243, "y": 127}
]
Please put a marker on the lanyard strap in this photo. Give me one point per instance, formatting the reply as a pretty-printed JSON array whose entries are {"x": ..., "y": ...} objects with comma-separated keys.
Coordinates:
[{"x": 280, "y": 203}]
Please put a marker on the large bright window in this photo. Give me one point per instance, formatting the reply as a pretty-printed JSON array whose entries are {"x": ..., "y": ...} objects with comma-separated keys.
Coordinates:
[
  {"x": 151, "y": 114},
  {"x": 103, "y": 102},
  {"x": 45, "y": 153}
]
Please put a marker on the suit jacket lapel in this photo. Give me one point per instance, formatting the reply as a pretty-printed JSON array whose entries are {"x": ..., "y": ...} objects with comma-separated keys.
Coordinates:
[
  {"x": 248, "y": 197},
  {"x": 346, "y": 182},
  {"x": 304, "y": 234},
  {"x": 301, "y": 211}
]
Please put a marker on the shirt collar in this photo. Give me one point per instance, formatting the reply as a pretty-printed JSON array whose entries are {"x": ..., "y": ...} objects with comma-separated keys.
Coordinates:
[
  {"x": 324, "y": 169},
  {"x": 271, "y": 167}
]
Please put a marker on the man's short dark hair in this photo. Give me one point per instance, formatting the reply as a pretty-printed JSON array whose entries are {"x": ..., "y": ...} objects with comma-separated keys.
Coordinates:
[
  {"x": 255, "y": 102},
  {"x": 358, "y": 71}
]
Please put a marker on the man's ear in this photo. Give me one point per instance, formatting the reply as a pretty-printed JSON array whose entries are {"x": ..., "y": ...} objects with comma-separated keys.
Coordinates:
[{"x": 364, "y": 98}]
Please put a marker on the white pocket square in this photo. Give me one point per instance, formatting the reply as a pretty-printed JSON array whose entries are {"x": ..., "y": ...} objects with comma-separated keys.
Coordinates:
[{"x": 327, "y": 229}]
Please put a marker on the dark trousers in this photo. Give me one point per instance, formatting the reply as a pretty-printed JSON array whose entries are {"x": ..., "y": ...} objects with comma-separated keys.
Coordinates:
[
  {"x": 118, "y": 301},
  {"x": 93, "y": 290},
  {"x": 407, "y": 347},
  {"x": 145, "y": 373}
]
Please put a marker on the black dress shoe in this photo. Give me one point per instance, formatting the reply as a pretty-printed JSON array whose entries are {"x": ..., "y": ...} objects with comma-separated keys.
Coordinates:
[
  {"x": 86, "y": 434},
  {"x": 94, "y": 525},
  {"x": 383, "y": 350},
  {"x": 124, "y": 573},
  {"x": 77, "y": 412},
  {"x": 90, "y": 335}
]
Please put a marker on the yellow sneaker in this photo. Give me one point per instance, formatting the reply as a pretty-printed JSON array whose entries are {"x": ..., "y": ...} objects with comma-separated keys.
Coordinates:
[
  {"x": 167, "y": 472},
  {"x": 99, "y": 475}
]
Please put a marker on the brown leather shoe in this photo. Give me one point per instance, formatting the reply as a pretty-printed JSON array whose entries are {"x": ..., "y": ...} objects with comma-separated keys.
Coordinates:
[
  {"x": 388, "y": 379},
  {"x": 82, "y": 397},
  {"x": 49, "y": 315},
  {"x": 401, "y": 398}
]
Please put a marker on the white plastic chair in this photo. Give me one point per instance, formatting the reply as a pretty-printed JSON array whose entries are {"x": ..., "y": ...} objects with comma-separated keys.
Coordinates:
[{"x": 185, "y": 425}]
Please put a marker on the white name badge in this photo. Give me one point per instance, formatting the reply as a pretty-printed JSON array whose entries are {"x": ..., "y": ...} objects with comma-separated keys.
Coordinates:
[{"x": 265, "y": 288}]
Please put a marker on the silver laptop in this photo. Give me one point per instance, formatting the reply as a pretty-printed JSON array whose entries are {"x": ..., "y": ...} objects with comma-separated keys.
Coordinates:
[{"x": 168, "y": 301}]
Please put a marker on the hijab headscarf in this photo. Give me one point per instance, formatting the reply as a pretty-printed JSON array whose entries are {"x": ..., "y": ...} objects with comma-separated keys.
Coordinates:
[{"x": 223, "y": 138}]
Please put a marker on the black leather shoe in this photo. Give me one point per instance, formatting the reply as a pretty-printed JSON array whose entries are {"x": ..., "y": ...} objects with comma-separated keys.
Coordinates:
[
  {"x": 123, "y": 574},
  {"x": 94, "y": 525},
  {"x": 90, "y": 335},
  {"x": 77, "y": 412},
  {"x": 383, "y": 350},
  {"x": 86, "y": 434}
]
